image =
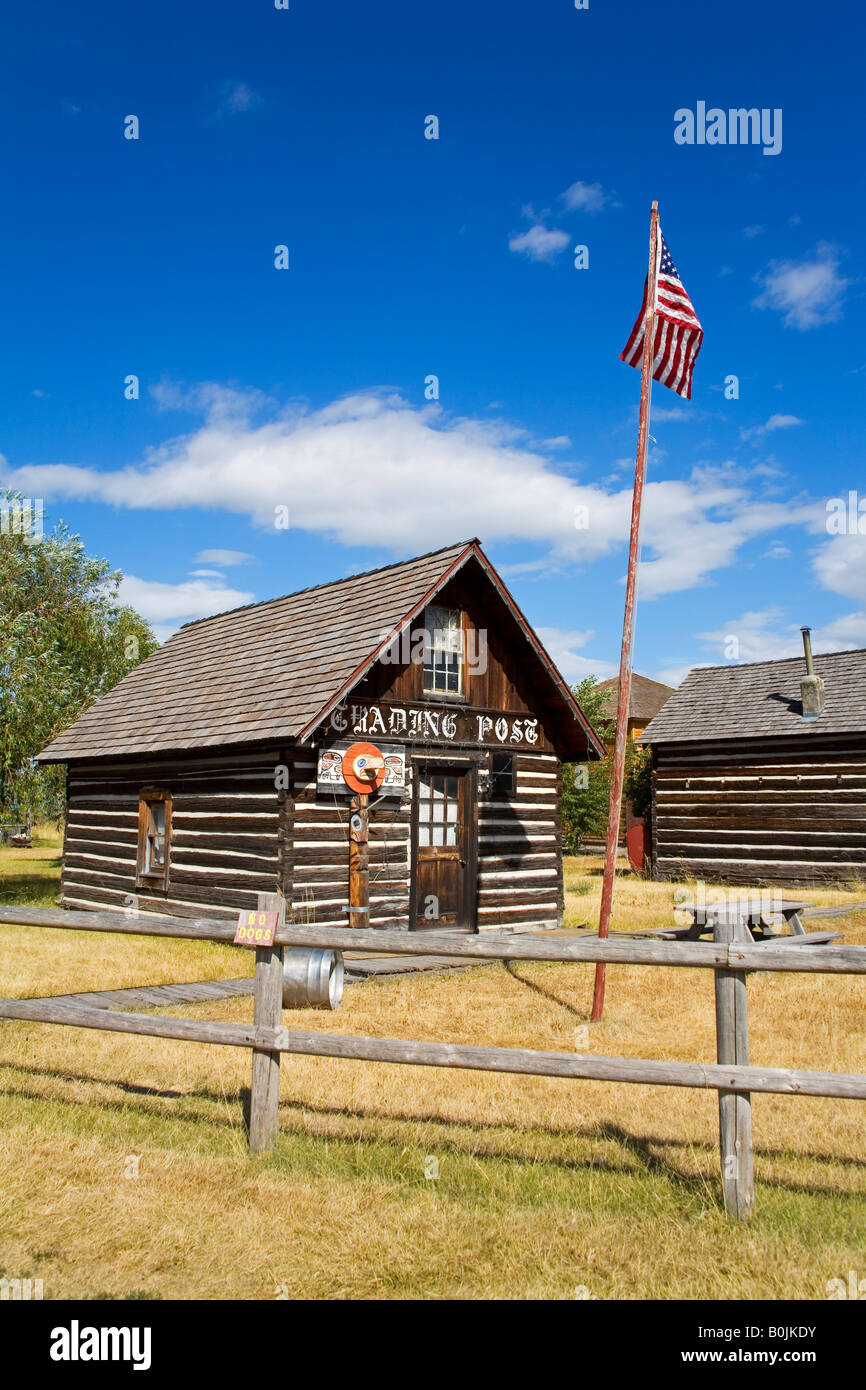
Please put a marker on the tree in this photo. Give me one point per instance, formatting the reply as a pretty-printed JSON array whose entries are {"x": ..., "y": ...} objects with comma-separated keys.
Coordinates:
[
  {"x": 638, "y": 781},
  {"x": 64, "y": 640},
  {"x": 586, "y": 786}
]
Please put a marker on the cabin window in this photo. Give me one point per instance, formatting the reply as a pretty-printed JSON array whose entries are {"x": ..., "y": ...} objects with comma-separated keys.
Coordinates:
[
  {"x": 502, "y": 776},
  {"x": 154, "y": 838},
  {"x": 438, "y": 809},
  {"x": 443, "y": 650}
]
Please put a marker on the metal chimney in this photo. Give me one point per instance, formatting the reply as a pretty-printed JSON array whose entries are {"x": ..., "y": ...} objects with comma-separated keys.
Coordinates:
[{"x": 811, "y": 686}]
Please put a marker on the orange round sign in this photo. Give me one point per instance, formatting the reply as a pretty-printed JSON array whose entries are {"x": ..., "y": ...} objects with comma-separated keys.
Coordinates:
[{"x": 364, "y": 767}]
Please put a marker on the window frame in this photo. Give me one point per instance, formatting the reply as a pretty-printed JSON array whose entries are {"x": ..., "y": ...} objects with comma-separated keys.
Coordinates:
[
  {"x": 497, "y": 791},
  {"x": 431, "y": 690},
  {"x": 144, "y": 877}
]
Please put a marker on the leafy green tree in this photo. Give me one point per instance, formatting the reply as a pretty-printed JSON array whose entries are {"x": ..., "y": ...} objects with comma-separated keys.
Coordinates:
[
  {"x": 638, "y": 780},
  {"x": 64, "y": 640},
  {"x": 586, "y": 786}
]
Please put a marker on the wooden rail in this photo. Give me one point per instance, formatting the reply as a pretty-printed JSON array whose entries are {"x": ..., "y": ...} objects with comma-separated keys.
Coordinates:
[
  {"x": 617, "y": 950},
  {"x": 521, "y": 1060},
  {"x": 730, "y": 957}
]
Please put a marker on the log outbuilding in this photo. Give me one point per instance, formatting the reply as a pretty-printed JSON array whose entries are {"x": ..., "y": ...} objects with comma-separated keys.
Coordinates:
[
  {"x": 759, "y": 772},
  {"x": 213, "y": 772}
]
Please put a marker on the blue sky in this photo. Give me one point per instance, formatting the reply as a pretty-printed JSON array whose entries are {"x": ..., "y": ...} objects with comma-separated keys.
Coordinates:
[{"x": 410, "y": 257}]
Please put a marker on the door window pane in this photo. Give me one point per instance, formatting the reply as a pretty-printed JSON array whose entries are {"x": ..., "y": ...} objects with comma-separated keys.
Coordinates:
[{"x": 439, "y": 818}]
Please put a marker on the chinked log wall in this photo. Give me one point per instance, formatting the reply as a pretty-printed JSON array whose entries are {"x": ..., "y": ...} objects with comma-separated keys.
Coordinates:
[
  {"x": 782, "y": 810},
  {"x": 519, "y": 861},
  {"x": 520, "y": 849},
  {"x": 228, "y": 834},
  {"x": 234, "y": 836}
]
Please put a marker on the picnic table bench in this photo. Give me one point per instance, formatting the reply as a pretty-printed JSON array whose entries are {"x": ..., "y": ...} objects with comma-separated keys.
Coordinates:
[{"x": 749, "y": 917}]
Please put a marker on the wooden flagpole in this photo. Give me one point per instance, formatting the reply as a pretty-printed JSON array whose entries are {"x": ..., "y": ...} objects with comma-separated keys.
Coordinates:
[{"x": 623, "y": 703}]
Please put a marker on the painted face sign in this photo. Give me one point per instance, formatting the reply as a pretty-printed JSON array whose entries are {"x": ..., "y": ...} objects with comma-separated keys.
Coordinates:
[{"x": 329, "y": 769}]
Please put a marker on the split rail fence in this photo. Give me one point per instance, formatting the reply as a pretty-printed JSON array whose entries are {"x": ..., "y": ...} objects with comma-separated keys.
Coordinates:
[{"x": 729, "y": 956}]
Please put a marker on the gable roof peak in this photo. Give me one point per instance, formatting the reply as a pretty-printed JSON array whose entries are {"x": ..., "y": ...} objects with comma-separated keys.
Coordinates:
[{"x": 271, "y": 672}]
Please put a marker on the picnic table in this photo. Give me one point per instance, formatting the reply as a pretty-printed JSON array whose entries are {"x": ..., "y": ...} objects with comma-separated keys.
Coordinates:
[
  {"x": 15, "y": 834},
  {"x": 750, "y": 920}
]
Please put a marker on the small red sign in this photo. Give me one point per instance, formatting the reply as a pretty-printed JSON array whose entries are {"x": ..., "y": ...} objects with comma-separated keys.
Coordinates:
[{"x": 256, "y": 928}]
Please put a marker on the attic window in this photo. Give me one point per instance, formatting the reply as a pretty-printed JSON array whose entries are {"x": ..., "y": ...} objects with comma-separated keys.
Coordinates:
[
  {"x": 154, "y": 839},
  {"x": 443, "y": 650}
]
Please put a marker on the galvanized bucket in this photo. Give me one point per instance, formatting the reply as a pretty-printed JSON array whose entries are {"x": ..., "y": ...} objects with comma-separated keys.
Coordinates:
[{"x": 312, "y": 978}]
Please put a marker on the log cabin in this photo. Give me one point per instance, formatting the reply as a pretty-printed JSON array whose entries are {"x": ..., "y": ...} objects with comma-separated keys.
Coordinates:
[
  {"x": 759, "y": 772},
  {"x": 213, "y": 771}
]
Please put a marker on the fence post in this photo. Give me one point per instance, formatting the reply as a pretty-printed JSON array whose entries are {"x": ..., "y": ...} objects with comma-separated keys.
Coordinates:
[
  {"x": 267, "y": 1013},
  {"x": 735, "y": 1108}
]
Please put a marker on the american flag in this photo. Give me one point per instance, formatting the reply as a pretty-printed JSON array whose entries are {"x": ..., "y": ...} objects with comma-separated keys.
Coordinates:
[{"x": 678, "y": 334}]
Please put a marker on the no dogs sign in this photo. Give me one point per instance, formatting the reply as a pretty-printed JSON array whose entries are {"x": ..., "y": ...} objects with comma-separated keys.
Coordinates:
[{"x": 256, "y": 928}]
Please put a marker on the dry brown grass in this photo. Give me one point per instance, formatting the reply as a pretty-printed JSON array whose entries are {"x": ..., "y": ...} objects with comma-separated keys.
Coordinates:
[{"x": 543, "y": 1186}]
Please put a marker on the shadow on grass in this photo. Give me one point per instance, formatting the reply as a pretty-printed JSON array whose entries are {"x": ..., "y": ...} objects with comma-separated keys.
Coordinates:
[
  {"x": 32, "y": 890},
  {"x": 639, "y": 1151},
  {"x": 550, "y": 994}
]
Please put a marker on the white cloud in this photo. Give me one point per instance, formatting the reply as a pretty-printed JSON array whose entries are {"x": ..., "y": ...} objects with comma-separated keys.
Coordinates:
[
  {"x": 213, "y": 399},
  {"x": 843, "y": 634},
  {"x": 700, "y": 525},
  {"x": 560, "y": 441},
  {"x": 373, "y": 470},
  {"x": 236, "y": 97},
  {"x": 807, "y": 293},
  {"x": 775, "y": 422},
  {"x": 224, "y": 557},
  {"x": 761, "y": 638},
  {"x": 755, "y": 636},
  {"x": 169, "y": 605},
  {"x": 841, "y": 566},
  {"x": 751, "y": 232},
  {"x": 587, "y": 197},
  {"x": 675, "y": 675},
  {"x": 562, "y": 644},
  {"x": 540, "y": 243}
]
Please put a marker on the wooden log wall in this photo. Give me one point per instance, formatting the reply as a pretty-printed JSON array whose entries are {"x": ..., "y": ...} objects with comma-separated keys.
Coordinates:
[
  {"x": 520, "y": 882},
  {"x": 520, "y": 849},
  {"x": 235, "y": 835},
  {"x": 320, "y": 877},
  {"x": 782, "y": 810},
  {"x": 227, "y": 834}
]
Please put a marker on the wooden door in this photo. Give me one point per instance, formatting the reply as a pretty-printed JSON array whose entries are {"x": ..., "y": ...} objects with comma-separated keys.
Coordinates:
[{"x": 444, "y": 888}]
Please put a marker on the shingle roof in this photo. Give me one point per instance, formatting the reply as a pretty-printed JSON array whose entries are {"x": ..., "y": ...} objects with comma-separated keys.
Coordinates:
[
  {"x": 647, "y": 696},
  {"x": 272, "y": 670},
  {"x": 762, "y": 700}
]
